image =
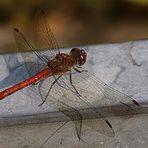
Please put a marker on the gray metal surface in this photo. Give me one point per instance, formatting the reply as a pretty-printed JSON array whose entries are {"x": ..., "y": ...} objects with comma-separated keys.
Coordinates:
[{"x": 124, "y": 66}]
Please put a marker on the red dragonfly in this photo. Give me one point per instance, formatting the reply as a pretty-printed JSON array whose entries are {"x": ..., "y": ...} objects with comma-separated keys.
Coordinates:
[{"x": 72, "y": 87}]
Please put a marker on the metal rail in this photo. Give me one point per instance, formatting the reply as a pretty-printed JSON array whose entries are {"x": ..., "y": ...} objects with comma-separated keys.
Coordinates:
[{"x": 107, "y": 111}]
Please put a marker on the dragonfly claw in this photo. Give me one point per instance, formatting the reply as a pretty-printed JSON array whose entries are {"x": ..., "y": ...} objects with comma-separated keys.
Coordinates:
[{"x": 42, "y": 103}]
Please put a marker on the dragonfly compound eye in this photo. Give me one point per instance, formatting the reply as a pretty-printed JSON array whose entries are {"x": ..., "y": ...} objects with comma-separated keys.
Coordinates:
[{"x": 79, "y": 55}]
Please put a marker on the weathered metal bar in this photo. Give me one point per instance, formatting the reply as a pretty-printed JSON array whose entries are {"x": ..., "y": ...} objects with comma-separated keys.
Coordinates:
[{"x": 47, "y": 117}]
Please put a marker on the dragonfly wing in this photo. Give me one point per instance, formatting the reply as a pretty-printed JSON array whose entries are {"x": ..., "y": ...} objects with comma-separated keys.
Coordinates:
[
  {"x": 73, "y": 114},
  {"x": 84, "y": 103},
  {"x": 56, "y": 100},
  {"x": 106, "y": 94},
  {"x": 94, "y": 94},
  {"x": 63, "y": 92},
  {"x": 43, "y": 36},
  {"x": 33, "y": 60},
  {"x": 44, "y": 39}
]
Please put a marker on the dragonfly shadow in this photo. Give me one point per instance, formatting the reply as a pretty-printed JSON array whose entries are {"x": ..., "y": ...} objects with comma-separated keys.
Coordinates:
[{"x": 16, "y": 71}]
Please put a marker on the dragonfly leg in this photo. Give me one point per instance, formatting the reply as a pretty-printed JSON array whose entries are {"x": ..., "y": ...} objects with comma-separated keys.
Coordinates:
[
  {"x": 70, "y": 77},
  {"x": 36, "y": 83},
  {"x": 59, "y": 83},
  {"x": 50, "y": 89},
  {"x": 39, "y": 90},
  {"x": 78, "y": 70}
]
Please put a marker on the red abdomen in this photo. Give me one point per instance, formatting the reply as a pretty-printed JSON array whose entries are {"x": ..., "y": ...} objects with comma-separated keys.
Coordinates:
[{"x": 39, "y": 76}]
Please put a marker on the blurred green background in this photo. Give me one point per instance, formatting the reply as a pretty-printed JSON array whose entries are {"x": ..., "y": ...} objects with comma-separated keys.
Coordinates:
[{"x": 76, "y": 22}]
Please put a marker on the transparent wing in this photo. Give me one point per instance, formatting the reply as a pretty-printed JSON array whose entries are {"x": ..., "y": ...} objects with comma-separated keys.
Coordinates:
[
  {"x": 55, "y": 100},
  {"x": 43, "y": 36},
  {"x": 99, "y": 93},
  {"x": 93, "y": 94},
  {"x": 63, "y": 93},
  {"x": 34, "y": 61}
]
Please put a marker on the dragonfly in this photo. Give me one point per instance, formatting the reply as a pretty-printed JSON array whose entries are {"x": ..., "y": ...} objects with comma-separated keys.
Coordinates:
[{"x": 60, "y": 79}]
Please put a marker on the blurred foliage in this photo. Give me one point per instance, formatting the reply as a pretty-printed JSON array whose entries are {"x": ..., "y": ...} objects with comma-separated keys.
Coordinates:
[
  {"x": 77, "y": 22},
  {"x": 139, "y": 2}
]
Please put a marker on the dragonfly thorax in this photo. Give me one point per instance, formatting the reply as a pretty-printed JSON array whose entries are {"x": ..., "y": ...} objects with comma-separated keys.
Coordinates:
[{"x": 79, "y": 55}]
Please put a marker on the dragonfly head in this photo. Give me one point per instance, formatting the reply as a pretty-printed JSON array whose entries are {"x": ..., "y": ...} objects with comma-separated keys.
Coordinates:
[{"x": 79, "y": 55}]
